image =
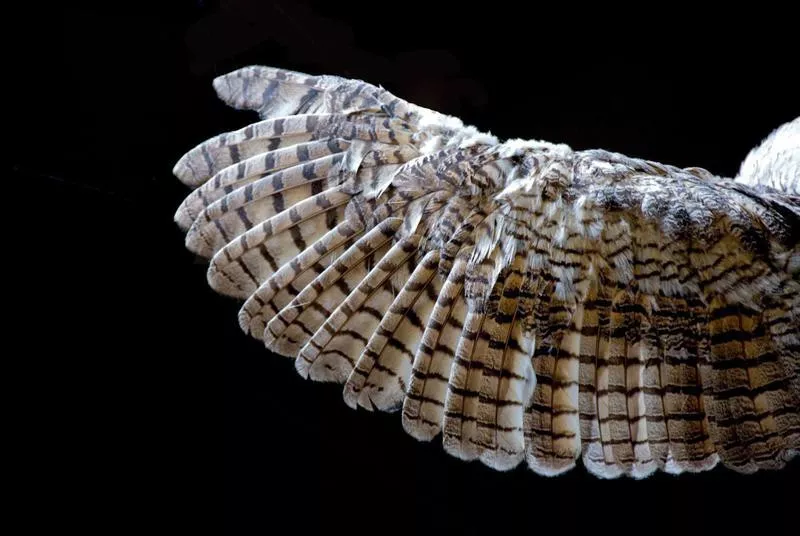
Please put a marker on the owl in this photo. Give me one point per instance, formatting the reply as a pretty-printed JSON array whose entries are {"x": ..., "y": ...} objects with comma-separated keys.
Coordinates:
[{"x": 522, "y": 300}]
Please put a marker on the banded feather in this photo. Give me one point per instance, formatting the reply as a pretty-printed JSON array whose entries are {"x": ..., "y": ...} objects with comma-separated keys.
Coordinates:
[
  {"x": 382, "y": 372},
  {"x": 252, "y": 169},
  {"x": 423, "y": 409},
  {"x": 523, "y": 300},
  {"x": 286, "y": 283},
  {"x": 294, "y": 325},
  {"x": 344, "y": 332}
]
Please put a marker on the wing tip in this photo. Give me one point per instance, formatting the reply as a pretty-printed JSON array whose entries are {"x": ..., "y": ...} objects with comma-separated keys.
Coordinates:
[
  {"x": 454, "y": 446},
  {"x": 236, "y": 88},
  {"x": 544, "y": 466},
  {"x": 220, "y": 282},
  {"x": 350, "y": 395},
  {"x": 197, "y": 241},
  {"x": 275, "y": 341},
  {"x": 192, "y": 169},
  {"x": 224, "y": 89},
  {"x": 182, "y": 218},
  {"x": 501, "y": 461},
  {"x": 301, "y": 366},
  {"x": 774, "y": 462},
  {"x": 184, "y": 172},
  {"x": 419, "y": 429},
  {"x": 245, "y": 318}
]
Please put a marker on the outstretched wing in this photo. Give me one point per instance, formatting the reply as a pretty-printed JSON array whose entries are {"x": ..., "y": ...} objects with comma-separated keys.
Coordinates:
[{"x": 523, "y": 300}]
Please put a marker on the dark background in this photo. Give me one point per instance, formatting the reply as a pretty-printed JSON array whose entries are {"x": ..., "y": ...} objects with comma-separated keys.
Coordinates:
[{"x": 144, "y": 404}]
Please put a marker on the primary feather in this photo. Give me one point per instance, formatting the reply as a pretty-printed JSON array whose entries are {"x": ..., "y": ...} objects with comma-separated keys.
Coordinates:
[{"x": 522, "y": 299}]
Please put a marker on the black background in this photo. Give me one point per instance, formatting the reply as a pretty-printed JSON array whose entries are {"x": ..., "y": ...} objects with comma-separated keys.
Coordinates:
[{"x": 149, "y": 408}]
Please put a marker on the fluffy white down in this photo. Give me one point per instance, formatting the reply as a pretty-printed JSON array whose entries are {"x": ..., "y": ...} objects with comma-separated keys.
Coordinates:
[{"x": 776, "y": 162}]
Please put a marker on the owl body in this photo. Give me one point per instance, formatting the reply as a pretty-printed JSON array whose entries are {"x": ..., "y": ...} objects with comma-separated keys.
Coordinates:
[{"x": 521, "y": 300}]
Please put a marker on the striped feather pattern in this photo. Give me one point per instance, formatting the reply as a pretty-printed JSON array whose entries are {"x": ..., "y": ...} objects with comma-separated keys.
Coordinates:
[
  {"x": 423, "y": 409},
  {"x": 523, "y": 300},
  {"x": 382, "y": 373},
  {"x": 288, "y": 281},
  {"x": 294, "y": 325},
  {"x": 235, "y": 177}
]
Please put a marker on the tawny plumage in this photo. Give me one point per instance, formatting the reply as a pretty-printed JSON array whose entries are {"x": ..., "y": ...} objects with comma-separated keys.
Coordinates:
[{"x": 524, "y": 300}]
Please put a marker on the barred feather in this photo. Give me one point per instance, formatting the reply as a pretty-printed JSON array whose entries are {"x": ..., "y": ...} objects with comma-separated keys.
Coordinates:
[
  {"x": 287, "y": 282},
  {"x": 523, "y": 300},
  {"x": 382, "y": 372},
  {"x": 423, "y": 409},
  {"x": 235, "y": 178},
  {"x": 344, "y": 332},
  {"x": 294, "y": 325}
]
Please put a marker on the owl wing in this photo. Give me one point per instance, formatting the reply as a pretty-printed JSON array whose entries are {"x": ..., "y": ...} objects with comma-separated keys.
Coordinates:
[{"x": 521, "y": 299}]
